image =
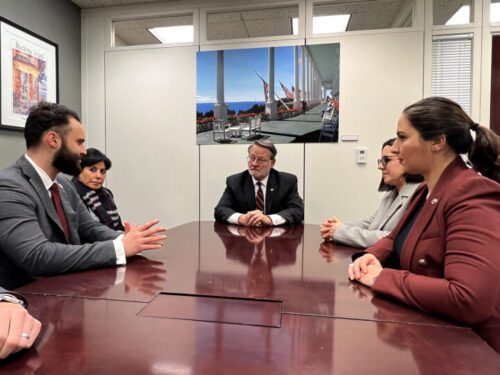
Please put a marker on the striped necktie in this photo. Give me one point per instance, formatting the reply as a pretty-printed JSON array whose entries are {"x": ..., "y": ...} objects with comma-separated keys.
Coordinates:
[{"x": 259, "y": 199}]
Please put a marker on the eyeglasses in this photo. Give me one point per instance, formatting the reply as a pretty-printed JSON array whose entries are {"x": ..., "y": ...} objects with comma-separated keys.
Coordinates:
[
  {"x": 385, "y": 160},
  {"x": 253, "y": 159}
]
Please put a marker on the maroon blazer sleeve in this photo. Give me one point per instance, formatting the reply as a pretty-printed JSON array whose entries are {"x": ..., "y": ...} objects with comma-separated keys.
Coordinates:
[{"x": 454, "y": 267}]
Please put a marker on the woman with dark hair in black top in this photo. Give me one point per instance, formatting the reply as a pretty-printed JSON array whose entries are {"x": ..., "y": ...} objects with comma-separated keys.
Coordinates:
[{"x": 97, "y": 198}]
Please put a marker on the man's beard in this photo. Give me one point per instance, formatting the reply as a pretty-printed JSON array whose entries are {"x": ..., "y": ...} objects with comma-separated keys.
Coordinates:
[{"x": 66, "y": 162}]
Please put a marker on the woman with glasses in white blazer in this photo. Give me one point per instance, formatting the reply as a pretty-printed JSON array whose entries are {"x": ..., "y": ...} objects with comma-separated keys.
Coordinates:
[{"x": 399, "y": 187}]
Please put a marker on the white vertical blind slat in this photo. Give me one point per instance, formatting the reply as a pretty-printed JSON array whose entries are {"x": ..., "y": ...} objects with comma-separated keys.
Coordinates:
[{"x": 451, "y": 69}]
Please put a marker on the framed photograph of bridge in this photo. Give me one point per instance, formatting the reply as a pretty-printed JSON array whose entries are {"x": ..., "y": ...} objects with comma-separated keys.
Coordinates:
[
  {"x": 284, "y": 94},
  {"x": 28, "y": 73}
]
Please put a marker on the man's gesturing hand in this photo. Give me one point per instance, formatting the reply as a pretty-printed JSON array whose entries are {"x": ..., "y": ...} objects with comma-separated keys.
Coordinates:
[{"x": 142, "y": 237}]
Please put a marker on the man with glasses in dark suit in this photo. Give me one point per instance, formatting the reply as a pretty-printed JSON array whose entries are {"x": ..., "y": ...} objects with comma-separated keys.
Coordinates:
[{"x": 260, "y": 195}]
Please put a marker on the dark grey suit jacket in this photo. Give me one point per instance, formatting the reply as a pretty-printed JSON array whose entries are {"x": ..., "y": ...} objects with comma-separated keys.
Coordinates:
[
  {"x": 32, "y": 241},
  {"x": 282, "y": 197}
]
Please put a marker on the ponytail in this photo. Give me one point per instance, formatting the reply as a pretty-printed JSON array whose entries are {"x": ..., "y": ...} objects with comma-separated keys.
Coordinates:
[
  {"x": 484, "y": 153},
  {"x": 436, "y": 115}
]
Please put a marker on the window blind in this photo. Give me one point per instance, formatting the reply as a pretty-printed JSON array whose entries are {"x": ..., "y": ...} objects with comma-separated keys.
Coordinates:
[{"x": 452, "y": 67}]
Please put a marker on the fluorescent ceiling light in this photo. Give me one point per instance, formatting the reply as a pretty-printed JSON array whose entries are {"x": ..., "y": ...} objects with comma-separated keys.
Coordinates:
[
  {"x": 462, "y": 16},
  {"x": 330, "y": 24},
  {"x": 495, "y": 12},
  {"x": 173, "y": 34},
  {"x": 295, "y": 26}
]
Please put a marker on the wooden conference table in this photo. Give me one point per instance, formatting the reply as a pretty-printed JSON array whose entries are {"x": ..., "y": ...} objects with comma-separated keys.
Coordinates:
[{"x": 221, "y": 299}]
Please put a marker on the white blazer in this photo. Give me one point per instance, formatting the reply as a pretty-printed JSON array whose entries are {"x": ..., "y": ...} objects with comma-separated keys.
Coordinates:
[{"x": 366, "y": 232}]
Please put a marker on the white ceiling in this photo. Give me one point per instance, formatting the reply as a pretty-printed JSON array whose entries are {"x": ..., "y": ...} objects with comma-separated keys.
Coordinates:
[
  {"x": 109, "y": 3},
  {"x": 365, "y": 15}
]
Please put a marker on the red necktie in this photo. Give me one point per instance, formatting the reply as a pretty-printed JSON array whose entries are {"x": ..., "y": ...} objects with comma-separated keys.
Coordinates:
[
  {"x": 56, "y": 199},
  {"x": 259, "y": 199}
]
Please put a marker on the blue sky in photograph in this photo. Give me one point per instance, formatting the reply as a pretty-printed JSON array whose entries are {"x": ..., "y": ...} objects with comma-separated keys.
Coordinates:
[{"x": 240, "y": 81}]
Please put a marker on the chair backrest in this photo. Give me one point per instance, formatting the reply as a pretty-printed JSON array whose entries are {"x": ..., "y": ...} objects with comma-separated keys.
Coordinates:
[
  {"x": 255, "y": 122},
  {"x": 328, "y": 115},
  {"x": 218, "y": 124}
]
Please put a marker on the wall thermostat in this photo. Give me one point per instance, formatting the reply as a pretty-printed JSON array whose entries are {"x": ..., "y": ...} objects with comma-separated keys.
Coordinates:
[{"x": 361, "y": 155}]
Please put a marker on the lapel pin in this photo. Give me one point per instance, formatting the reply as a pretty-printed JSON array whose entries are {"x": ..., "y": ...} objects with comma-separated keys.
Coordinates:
[
  {"x": 272, "y": 189},
  {"x": 434, "y": 201}
]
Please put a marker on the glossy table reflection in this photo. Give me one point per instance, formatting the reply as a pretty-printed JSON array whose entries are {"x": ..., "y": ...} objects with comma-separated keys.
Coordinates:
[{"x": 114, "y": 321}]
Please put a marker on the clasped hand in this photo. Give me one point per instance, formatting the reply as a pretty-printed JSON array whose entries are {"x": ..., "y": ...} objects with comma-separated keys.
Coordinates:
[
  {"x": 255, "y": 219},
  {"x": 364, "y": 269},
  {"x": 326, "y": 250},
  {"x": 18, "y": 329},
  {"x": 255, "y": 235},
  {"x": 328, "y": 228}
]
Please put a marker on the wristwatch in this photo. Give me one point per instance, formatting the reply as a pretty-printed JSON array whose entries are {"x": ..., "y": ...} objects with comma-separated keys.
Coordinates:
[{"x": 5, "y": 297}]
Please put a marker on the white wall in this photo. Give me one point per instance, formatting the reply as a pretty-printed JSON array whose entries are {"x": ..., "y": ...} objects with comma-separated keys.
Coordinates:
[
  {"x": 93, "y": 89},
  {"x": 380, "y": 73},
  {"x": 379, "y": 76},
  {"x": 149, "y": 110},
  {"x": 150, "y": 101}
]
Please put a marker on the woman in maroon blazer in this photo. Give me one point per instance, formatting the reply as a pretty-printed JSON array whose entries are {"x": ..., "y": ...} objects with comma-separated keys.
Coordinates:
[{"x": 448, "y": 242}]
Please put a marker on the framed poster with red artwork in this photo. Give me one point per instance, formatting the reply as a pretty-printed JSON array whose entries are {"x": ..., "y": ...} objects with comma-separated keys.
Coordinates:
[{"x": 28, "y": 73}]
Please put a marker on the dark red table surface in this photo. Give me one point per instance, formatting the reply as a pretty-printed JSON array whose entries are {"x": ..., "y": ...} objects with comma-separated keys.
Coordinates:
[{"x": 114, "y": 321}]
